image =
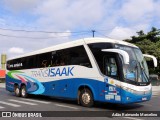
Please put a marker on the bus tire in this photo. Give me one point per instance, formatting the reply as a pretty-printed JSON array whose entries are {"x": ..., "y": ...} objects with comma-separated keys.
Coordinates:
[
  {"x": 17, "y": 91},
  {"x": 24, "y": 91},
  {"x": 86, "y": 98}
]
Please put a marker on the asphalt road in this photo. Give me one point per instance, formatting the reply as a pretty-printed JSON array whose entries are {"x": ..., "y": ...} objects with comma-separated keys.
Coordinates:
[{"x": 8, "y": 102}]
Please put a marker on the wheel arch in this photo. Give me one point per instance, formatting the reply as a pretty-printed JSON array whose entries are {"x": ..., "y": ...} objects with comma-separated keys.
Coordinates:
[
  {"x": 16, "y": 85},
  {"x": 23, "y": 84}
]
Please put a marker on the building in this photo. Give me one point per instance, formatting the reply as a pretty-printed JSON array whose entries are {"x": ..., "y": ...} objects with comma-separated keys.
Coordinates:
[
  {"x": 2, "y": 75},
  {"x": 3, "y": 68}
]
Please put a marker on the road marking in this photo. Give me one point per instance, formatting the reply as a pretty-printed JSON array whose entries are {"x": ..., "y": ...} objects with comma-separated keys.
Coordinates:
[
  {"x": 23, "y": 102},
  {"x": 132, "y": 118},
  {"x": 10, "y": 104},
  {"x": 1, "y": 107},
  {"x": 38, "y": 101},
  {"x": 66, "y": 106}
]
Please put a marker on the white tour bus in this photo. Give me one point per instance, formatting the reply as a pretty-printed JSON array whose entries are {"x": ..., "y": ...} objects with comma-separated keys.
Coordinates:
[{"x": 87, "y": 70}]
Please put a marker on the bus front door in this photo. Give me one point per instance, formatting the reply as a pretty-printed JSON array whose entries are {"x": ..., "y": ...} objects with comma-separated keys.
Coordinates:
[{"x": 110, "y": 63}]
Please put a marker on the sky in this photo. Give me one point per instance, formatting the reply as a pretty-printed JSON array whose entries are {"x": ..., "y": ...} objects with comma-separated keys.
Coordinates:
[{"x": 59, "y": 21}]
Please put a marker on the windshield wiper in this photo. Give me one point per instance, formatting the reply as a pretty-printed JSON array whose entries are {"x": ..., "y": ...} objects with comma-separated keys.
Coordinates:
[{"x": 142, "y": 69}]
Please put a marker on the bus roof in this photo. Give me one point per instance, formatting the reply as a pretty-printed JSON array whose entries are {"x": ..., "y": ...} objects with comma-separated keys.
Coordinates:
[{"x": 75, "y": 43}]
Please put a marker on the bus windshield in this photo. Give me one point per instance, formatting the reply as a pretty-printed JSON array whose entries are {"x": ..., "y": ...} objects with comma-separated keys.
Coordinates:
[{"x": 137, "y": 69}]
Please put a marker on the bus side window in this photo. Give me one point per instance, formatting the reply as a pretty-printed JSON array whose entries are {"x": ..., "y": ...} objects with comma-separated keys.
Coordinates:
[
  {"x": 110, "y": 67},
  {"x": 44, "y": 63},
  {"x": 78, "y": 56},
  {"x": 57, "y": 58},
  {"x": 30, "y": 63},
  {"x": 44, "y": 60},
  {"x": 70, "y": 56}
]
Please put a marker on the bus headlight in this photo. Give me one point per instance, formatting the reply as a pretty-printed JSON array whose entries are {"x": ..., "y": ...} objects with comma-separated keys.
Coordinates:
[
  {"x": 137, "y": 92},
  {"x": 142, "y": 92}
]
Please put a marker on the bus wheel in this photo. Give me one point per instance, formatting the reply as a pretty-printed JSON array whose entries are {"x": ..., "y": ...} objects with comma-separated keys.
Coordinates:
[
  {"x": 17, "y": 91},
  {"x": 86, "y": 98},
  {"x": 24, "y": 91}
]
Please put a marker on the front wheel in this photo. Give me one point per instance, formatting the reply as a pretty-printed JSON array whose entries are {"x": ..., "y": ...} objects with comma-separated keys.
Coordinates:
[
  {"x": 86, "y": 98},
  {"x": 24, "y": 91}
]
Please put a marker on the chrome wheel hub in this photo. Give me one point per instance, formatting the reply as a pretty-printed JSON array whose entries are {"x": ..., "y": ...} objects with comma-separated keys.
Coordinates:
[
  {"x": 86, "y": 98},
  {"x": 23, "y": 92},
  {"x": 17, "y": 91}
]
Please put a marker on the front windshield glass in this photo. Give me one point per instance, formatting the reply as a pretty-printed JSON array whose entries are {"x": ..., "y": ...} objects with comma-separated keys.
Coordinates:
[{"x": 137, "y": 69}]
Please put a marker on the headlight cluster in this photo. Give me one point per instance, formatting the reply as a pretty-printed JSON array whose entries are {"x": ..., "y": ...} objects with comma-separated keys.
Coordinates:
[{"x": 136, "y": 92}]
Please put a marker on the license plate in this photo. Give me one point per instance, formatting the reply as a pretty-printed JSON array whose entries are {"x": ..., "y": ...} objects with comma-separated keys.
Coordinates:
[{"x": 144, "y": 98}]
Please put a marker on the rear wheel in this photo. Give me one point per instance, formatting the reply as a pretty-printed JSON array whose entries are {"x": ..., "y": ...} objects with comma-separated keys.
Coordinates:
[
  {"x": 86, "y": 98},
  {"x": 17, "y": 91},
  {"x": 24, "y": 91}
]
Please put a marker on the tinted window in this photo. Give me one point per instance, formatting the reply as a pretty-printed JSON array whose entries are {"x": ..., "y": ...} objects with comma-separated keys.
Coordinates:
[
  {"x": 29, "y": 62},
  {"x": 70, "y": 56},
  {"x": 59, "y": 58},
  {"x": 78, "y": 56},
  {"x": 14, "y": 64},
  {"x": 22, "y": 63},
  {"x": 99, "y": 46},
  {"x": 44, "y": 60}
]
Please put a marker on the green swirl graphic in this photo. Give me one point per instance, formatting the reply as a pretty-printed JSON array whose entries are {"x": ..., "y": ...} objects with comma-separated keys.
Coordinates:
[{"x": 13, "y": 71}]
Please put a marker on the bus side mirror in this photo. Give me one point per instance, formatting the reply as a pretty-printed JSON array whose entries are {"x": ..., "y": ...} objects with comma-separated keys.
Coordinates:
[
  {"x": 121, "y": 52},
  {"x": 153, "y": 58}
]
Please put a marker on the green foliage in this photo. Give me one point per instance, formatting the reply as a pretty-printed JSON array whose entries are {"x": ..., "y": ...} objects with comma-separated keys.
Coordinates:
[{"x": 149, "y": 43}]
